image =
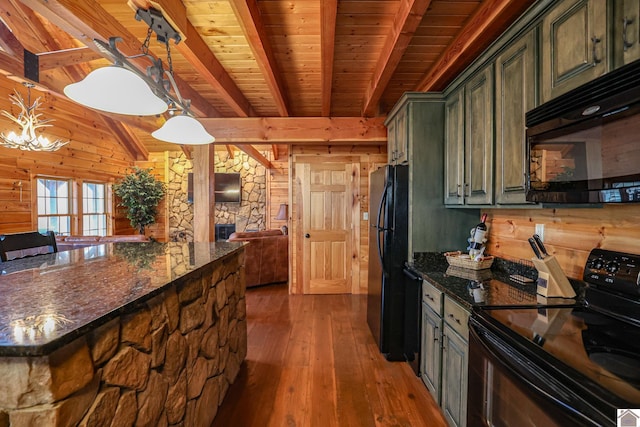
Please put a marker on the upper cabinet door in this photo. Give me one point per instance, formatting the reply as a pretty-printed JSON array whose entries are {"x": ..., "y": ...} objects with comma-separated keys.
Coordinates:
[
  {"x": 402, "y": 135},
  {"x": 574, "y": 45},
  {"x": 454, "y": 149},
  {"x": 516, "y": 85},
  {"x": 626, "y": 31},
  {"x": 392, "y": 142},
  {"x": 479, "y": 122}
]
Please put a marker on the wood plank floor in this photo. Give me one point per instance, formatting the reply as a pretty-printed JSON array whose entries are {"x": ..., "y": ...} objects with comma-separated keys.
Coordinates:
[{"x": 313, "y": 362}]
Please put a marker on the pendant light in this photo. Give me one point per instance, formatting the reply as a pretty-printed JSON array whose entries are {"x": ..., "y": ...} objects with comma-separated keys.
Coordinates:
[
  {"x": 183, "y": 129},
  {"x": 123, "y": 89},
  {"x": 115, "y": 89}
]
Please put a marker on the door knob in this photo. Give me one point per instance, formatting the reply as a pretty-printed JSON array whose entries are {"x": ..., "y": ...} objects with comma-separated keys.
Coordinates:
[{"x": 307, "y": 235}]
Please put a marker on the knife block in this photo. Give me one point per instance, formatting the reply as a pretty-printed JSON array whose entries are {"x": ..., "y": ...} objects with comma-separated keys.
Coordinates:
[{"x": 551, "y": 279}]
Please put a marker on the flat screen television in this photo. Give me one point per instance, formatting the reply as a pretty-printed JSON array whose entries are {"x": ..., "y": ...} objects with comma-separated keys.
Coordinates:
[{"x": 227, "y": 187}]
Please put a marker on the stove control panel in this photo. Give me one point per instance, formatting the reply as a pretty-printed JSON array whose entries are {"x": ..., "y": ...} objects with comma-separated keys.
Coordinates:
[{"x": 613, "y": 270}]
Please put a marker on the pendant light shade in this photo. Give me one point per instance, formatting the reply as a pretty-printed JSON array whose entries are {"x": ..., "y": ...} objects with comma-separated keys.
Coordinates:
[
  {"x": 115, "y": 89},
  {"x": 183, "y": 129}
]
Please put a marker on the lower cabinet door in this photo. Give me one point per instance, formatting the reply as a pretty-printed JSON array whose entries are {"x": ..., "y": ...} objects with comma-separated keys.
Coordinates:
[
  {"x": 455, "y": 356},
  {"x": 431, "y": 351}
]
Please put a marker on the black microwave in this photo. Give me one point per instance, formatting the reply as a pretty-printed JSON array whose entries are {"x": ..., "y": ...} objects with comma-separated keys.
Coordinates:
[{"x": 584, "y": 146}]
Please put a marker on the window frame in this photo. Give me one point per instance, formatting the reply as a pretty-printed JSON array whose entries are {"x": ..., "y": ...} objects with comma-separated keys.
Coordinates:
[{"x": 76, "y": 202}]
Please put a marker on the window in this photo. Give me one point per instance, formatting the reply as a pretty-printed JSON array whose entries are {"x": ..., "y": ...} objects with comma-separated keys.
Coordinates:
[
  {"x": 94, "y": 216},
  {"x": 54, "y": 201}
]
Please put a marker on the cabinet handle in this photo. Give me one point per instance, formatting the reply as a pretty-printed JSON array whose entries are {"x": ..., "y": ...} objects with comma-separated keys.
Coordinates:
[
  {"x": 436, "y": 338},
  {"x": 456, "y": 319},
  {"x": 594, "y": 41},
  {"x": 626, "y": 44},
  {"x": 466, "y": 187},
  {"x": 430, "y": 298},
  {"x": 458, "y": 191}
]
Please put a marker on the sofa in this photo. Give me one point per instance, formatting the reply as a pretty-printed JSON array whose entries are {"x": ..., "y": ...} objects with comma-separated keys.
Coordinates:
[
  {"x": 66, "y": 243},
  {"x": 266, "y": 256}
]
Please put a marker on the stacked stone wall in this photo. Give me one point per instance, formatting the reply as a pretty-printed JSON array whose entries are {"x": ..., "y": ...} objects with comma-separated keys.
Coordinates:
[
  {"x": 249, "y": 214},
  {"x": 168, "y": 363}
]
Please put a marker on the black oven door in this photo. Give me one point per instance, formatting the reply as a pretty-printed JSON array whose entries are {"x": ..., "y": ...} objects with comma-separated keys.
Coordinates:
[{"x": 508, "y": 388}]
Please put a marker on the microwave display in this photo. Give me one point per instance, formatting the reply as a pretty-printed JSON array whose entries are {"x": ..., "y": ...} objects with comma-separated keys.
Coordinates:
[{"x": 595, "y": 161}]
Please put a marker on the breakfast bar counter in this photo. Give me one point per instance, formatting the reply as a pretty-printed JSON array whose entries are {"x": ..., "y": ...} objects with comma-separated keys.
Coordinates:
[{"x": 121, "y": 334}]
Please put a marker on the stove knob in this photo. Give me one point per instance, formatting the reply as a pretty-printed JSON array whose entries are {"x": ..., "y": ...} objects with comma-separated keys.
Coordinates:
[
  {"x": 597, "y": 263},
  {"x": 613, "y": 267}
]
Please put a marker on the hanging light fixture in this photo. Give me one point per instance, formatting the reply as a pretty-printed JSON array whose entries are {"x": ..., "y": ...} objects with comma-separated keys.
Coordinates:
[
  {"x": 29, "y": 122},
  {"x": 183, "y": 129},
  {"x": 124, "y": 89},
  {"x": 131, "y": 95}
]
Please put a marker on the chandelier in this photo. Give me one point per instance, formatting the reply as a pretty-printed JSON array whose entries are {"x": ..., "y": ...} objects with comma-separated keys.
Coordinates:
[
  {"x": 124, "y": 89},
  {"x": 29, "y": 123}
]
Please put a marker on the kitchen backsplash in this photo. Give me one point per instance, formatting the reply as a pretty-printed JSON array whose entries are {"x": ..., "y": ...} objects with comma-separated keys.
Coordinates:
[{"x": 570, "y": 233}]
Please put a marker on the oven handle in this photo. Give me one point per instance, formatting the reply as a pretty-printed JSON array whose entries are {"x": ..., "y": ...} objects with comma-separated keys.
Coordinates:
[{"x": 480, "y": 335}]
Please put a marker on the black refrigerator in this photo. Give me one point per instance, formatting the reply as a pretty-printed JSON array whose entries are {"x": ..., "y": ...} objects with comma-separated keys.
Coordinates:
[{"x": 388, "y": 245}]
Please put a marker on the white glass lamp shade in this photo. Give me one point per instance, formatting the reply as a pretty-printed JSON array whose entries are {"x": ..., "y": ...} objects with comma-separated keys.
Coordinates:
[
  {"x": 115, "y": 89},
  {"x": 185, "y": 130}
]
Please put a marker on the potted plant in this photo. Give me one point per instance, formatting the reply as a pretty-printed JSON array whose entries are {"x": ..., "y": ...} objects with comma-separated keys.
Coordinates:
[{"x": 140, "y": 193}]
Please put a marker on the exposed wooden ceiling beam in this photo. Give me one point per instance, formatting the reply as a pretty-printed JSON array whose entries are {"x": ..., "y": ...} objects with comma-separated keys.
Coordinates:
[
  {"x": 290, "y": 130},
  {"x": 195, "y": 50},
  {"x": 491, "y": 18},
  {"x": 250, "y": 19},
  {"x": 87, "y": 20},
  {"x": 258, "y": 156},
  {"x": 66, "y": 57},
  {"x": 328, "y": 16},
  {"x": 8, "y": 41},
  {"x": 405, "y": 23}
]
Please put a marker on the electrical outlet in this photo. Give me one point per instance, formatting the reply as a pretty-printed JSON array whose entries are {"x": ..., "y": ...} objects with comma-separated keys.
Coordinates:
[
  {"x": 540, "y": 231},
  {"x": 365, "y": 216}
]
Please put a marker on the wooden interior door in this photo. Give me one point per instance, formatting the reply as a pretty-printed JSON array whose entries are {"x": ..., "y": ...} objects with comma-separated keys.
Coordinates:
[{"x": 326, "y": 227}]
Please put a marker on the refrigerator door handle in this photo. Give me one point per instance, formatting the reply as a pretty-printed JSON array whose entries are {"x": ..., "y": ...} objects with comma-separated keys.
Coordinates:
[{"x": 380, "y": 229}]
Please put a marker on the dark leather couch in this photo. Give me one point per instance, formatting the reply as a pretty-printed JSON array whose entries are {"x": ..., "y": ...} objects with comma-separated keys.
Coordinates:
[{"x": 266, "y": 256}]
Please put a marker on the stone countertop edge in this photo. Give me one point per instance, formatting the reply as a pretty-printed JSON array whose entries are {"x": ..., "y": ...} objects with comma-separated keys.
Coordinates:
[
  {"x": 217, "y": 252},
  {"x": 432, "y": 266}
]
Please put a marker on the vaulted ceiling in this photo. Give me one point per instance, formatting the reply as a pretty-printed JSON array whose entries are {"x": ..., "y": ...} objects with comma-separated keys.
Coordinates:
[{"x": 263, "y": 71}]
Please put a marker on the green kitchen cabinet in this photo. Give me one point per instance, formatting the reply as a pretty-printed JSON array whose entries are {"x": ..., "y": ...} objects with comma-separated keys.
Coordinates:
[
  {"x": 444, "y": 352},
  {"x": 574, "y": 45},
  {"x": 454, "y": 149},
  {"x": 431, "y": 339},
  {"x": 478, "y": 152},
  {"x": 398, "y": 136},
  {"x": 516, "y": 84},
  {"x": 469, "y": 142},
  {"x": 626, "y": 31},
  {"x": 455, "y": 361}
]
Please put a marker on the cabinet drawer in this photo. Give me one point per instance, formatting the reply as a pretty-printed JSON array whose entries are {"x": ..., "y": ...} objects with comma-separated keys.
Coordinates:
[
  {"x": 432, "y": 297},
  {"x": 457, "y": 317}
]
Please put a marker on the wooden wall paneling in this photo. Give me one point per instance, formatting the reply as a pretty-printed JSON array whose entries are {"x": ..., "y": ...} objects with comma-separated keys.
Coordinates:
[
  {"x": 569, "y": 234},
  {"x": 278, "y": 187}
]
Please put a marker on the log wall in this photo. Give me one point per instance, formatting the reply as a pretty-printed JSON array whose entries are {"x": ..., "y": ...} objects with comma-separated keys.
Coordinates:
[{"x": 569, "y": 234}]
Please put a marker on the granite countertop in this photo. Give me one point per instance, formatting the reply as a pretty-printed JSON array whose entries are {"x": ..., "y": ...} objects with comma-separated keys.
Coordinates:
[
  {"x": 50, "y": 300},
  {"x": 488, "y": 287}
]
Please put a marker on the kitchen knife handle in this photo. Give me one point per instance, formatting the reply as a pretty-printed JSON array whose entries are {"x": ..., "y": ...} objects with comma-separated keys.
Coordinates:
[
  {"x": 541, "y": 245},
  {"x": 534, "y": 246}
]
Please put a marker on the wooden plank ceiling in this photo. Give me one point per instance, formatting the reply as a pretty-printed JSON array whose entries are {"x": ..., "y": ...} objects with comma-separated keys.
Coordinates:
[{"x": 264, "y": 71}]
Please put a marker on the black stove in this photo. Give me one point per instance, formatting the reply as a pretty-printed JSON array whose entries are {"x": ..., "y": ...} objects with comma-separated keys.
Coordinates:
[{"x": 581, "y": 360}]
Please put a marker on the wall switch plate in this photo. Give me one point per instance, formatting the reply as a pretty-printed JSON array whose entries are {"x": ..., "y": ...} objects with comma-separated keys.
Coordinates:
[
  {"x": 540, "y": 231},
  {"x": 365, "y": 216}
]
